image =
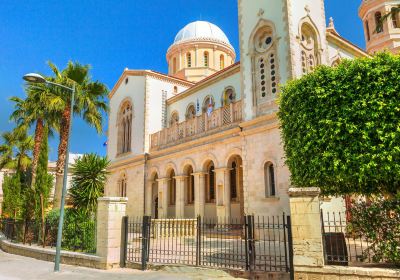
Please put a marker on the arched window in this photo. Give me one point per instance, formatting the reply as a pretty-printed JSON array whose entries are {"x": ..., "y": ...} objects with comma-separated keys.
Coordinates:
[
  {"x": 309, "y": 48},
  {"x": 378, "y": 22},
  {"x": 189, "y": 185},
  {"x": 269, "y": 179},
  {"x": 395, "y": 18},
  {"x": 122, "y": 185},
  {"x": 174, "y": 65},
  {"x": 190, "y": 112},
  {"x": 171, "y": 188},
  {"x": 206, "y": 56},
  {"x": 221, "y": 62},
  {"x": 233, "y": 179},
  {"x": 174, "y": 118},
  {"x": 367, "y": 30},
  {"x": 265, "y": 64},
  {"x": 228, "y": 97},
  {"x": 175, "y": 89},
  {"x": 210, "y": 194},
  {"x": 208, "y": 104},
  {"x": 189, "y": 60},
  {"x": 125, "y": 128}
]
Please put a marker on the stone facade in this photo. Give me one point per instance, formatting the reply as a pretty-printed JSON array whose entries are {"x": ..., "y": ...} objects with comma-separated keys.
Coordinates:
[{"x": 213, "y": 147}]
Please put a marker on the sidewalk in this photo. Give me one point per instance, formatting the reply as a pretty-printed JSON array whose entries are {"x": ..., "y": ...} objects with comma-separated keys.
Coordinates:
[{"x": 13, "y": 267}]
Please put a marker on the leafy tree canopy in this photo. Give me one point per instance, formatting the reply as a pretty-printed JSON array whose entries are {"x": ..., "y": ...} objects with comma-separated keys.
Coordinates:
[{"x": 341, "y": 127}]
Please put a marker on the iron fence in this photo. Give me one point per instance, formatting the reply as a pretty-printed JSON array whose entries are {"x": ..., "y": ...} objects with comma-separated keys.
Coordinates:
[
  {"x": 250, "y": 243},
  {"x": 345, "y": 246},
  {"x": 76, "y": 236}
]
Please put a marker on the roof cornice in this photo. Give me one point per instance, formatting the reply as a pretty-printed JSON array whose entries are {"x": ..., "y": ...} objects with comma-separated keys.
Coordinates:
[
  {"x": 336, "y": 39},
  {"x": 150, "y": 73},
  {"x": 228, "y": 71}
]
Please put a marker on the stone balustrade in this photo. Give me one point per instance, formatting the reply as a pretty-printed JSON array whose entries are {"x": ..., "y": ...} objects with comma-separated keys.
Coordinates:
[{"x": 199, "y": 126}]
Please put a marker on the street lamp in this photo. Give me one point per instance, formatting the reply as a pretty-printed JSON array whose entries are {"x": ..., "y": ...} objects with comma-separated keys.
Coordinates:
[{"x": 37, "y": 78}]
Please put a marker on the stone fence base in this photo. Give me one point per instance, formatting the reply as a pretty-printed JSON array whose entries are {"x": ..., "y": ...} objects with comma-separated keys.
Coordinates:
[
  {"x": 345, "y": 273},
  {"x": 47, "y": 254}
]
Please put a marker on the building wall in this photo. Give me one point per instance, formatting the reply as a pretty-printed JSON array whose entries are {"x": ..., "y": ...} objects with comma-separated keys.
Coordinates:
[
  {"x": 134, "y": 92},
  {"x": 216, "y": 90}
]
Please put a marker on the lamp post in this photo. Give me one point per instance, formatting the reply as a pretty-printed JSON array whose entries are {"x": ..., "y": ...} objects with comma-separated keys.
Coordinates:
[{"x": 37, "y": 78}]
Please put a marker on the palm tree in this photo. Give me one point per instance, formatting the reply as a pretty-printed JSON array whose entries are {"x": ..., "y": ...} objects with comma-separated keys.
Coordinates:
[
  {"x": 15, "y": 150},
  {"x": 37, "y": 109},
  {"x": 89, "y": 177},
  {"x": 89, "y": 104}
]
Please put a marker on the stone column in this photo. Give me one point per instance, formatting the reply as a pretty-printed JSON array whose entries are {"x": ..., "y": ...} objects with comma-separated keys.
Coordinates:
[
  {"x": 306, "y": 227},
  {"x": 163, "y": 197},
  {"x": 180, "y": 197},
  {"x": 110, "y": 211},
  {"x": 199, "y": 193},
  {"x": 223, "y": 193},
  {"x": 148, "y": 197}
]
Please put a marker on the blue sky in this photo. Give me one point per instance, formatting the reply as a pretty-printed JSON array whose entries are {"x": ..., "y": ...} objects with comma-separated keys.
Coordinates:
[{"x": 112, "y": 35}]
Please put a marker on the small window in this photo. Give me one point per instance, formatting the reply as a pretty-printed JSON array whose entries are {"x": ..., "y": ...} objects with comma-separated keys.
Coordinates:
[
  {"x": 208, "y": 104},
  {"x": 206, "y": 59},
  {"x": 126, "y": 81},
  {"x": 221, "y": 62},
  {"x": 174, "y": 65},
  {"x": 233, "y": 179},
  {"x": 122, "y": 186},
  {"x": 189, "y": 60},
  {"x": 175, "y": 89},
  {"x": 395, "y": 19},
  {"x": 171, "y": 189},
  {"x": 210, "y": 184},
  {"x": 228, "y": 97},
  {"x": 367, "y": 30},
  {"x": 190, "y": 112},
  {"x": 378, "y": 22},
  {"x": 174, "y": 118},
  {"x": 269, "y": 180}
]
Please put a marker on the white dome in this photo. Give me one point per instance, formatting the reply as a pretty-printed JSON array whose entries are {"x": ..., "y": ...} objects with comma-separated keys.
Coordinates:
[{"x": 201, "y": 30}]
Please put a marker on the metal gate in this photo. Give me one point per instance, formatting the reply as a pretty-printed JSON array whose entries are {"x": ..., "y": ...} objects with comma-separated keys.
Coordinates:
[{"x": 259, "y": 244}]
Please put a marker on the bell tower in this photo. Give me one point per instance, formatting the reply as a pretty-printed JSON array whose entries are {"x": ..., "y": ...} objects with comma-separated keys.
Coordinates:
[
  {"x": 279, "y": 41},
  {"x": 384, "y": 36}
]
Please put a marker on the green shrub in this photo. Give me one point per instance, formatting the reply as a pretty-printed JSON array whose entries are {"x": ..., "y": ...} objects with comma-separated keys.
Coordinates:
[
  {"x": 379, "y": 222},
  {"x": 341, "y": 127}
]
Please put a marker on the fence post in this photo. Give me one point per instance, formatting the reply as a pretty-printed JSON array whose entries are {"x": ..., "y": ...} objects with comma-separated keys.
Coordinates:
[
  {"x": 198, "y": 241},
  {"x": 110, "y": 211},
  {"x": 249, "y": 240},
  {"x": 145, "y": 240},
  {"x": 306, "y": 229},
  {"x": 290, "y": 245},
  {"x": 124, "y": 241}
]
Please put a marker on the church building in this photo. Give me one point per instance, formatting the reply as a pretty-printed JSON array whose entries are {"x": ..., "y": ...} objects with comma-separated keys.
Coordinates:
[{"x": 204, "y": 139}]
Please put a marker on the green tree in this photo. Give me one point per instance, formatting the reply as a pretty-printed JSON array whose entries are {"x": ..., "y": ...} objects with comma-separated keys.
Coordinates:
[
  {"x": 89, "y": 177},
  {"x": 341, "y": 127},
  {"x": 44, "y": 181},
  {"x": 37, "y": 109},
  {"x": 15, "y": 150},
  {"x": 90, "y": 103},
  {"x": 12, "y": 196}
]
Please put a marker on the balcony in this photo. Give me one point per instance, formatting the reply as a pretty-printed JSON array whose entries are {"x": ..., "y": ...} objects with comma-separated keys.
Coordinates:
[{"x": 220, "y": 119}]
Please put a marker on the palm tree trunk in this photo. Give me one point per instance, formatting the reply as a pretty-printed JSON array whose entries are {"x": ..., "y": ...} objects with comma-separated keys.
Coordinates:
[
  {"x": 62, "y": 153},
  {"x": 36, "y": 149}
]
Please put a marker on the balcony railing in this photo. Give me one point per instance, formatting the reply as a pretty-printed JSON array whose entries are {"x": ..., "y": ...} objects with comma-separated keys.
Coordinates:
[{"x": 199, "y": 126}]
